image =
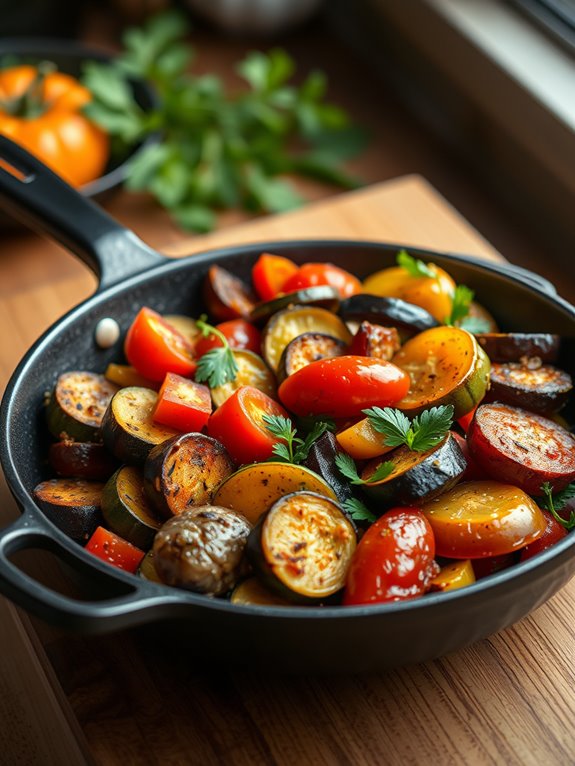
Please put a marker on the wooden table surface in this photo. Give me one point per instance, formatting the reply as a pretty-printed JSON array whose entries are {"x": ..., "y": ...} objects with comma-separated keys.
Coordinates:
[{"x": 119, "y": 699}]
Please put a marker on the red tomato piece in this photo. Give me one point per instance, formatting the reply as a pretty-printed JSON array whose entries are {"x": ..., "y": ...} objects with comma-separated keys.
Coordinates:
[
  {"x": 115, "y": 550},
  {"x": 183, "y": 404},
  {"x": 554, "y": 531},
  {"x": 465, "y": 420},
  {"x": 473, "y": 471},
  {"x": 394, "y": 561},
  {"x": 238, "y": 332},
  {"x": 343, "y": 386},
  {"x": 238, "y": 424},
  {"x": 311, "y": 274},
  {"x": 375, "y": 340},
  {"x": 155, "y": 348},
  {"x": 270, "y": 273}
]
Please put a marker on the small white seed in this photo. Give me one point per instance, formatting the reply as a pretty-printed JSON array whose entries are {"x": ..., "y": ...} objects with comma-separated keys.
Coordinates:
[{"x": 107, "y": 332}]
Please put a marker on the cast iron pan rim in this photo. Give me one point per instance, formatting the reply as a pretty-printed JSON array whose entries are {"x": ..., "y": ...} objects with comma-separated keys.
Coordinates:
[{"x": 520, "y": 571}]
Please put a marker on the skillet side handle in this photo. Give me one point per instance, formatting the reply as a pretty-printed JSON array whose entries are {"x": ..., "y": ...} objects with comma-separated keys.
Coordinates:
[
  {"x": 39, "y": 198},
  {"x": 124, "y": 601}
]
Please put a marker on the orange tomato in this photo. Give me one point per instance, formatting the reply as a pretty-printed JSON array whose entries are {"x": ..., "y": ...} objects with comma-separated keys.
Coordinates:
[
  {"x": 42, "y": 113},
  {"x": 270, "y": 273}
]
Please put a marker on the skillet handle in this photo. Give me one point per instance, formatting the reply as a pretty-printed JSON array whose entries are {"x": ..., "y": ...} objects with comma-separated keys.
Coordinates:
[
  {"x": 123, "y": 601},
  {"x": 39, "y": 198}
]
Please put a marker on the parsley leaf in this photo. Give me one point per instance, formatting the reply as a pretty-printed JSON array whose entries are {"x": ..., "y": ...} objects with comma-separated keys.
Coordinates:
[
  {"x": 217, "y": 366},
  {"x": 474, "y": 324},
  {"x": 295, "y": 450},
  {"x": 415, "y": 267},
  {"x": 461, "y": 305},
  {"x": 421, "y": 434},
  {"x": 358, "y": 510},
  {"x": 554, "y": 503},
  {"x": 346, "y": 466}
]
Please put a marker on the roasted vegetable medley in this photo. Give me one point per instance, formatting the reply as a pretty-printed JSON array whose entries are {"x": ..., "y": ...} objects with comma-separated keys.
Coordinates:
[{"x": 312, "y": 439}]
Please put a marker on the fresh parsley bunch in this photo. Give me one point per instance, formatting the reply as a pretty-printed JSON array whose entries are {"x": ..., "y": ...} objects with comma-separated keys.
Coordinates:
[{"x": 218, "y": 150}]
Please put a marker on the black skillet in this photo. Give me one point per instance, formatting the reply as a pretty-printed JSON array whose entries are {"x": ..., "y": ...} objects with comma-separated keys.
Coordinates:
[{"x": 325, "y": 639}]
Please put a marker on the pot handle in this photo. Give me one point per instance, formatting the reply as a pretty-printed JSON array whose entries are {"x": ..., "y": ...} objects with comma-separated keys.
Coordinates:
[
  {"x": 124, "y": 601},
  {"x": 35, "y": 195}
]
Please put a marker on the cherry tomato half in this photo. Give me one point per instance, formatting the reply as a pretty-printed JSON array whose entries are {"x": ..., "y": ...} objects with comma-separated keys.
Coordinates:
[
  {"x": 270, "y": 273},
  {"x": 393, "y": 561},
  {"x": 239, "y": 333},
  {"x": 554, "y": 531},
  {"x": 182, "y": 404},
  {"x": 311, "y": 274},
  {"x": 155, "y": 348},
  {"x": 343, "y": 386},
  {"x": 238, "y": 424}
]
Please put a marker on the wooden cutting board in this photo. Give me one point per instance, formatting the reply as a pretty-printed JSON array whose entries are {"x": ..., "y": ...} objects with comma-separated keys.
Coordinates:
[{"x": 116, "y": 700}]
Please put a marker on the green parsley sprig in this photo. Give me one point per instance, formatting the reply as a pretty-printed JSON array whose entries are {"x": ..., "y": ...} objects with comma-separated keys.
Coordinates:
[
  {"x": 554, "y": 503},
  {"x": 358, "y": 510},
  {"x": 347, "y": 467},
  {"x": 218, "y": 365},
  {"x": 293, "y": 449},
  {"x": 420, "y": 434},
  {"x": 218, "y": 150},
  {"x": 414, "y": 266}
]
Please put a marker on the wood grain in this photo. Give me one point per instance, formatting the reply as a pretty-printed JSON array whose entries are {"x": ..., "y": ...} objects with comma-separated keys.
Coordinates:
[{"x": 143, "y": 698}]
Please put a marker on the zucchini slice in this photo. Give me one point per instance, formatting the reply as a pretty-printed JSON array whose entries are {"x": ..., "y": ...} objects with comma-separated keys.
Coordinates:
[
  {"x": 533, "y": 386},
  {"x": 306, "y": 348},
  {"x": 127, "y": 427},
  {"x": 252, "y": 371},
  {"x": 321, "y": 460},
  {"x": 77, "y": 405},
  {"x": 126, "y": 509},
  {"x": 416, "y": 476},
  {"x": 302, "y": 547},
  {"x": 82, "y": 460},
  {"x": 73, "y": 505},
  {"x": 323, "y": 296},
  {"x": 390, "y": 312},
  {"x": 251, "y": 591},
  {"x": 254, "y": 488},
  {"x": 286, "y": 325},
  {"x": 446, "y": 366},
  {"x": 185, "y": 471},
  {"x": 124, "y": 375},
  {"x": 514, "y": 346}
]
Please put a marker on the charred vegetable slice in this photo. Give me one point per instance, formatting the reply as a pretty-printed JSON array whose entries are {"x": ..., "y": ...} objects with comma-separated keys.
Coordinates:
[
  {"x": 255, "y": 488},
  {"x": 514, "y": 346},
  {"x": 77, "y": 405},
  {"x": 73, "y": 505},
  {"x": 302, "y": 548},
  {"x": 457, "y": 574},
  {"x": 321, "y": 460},
  {"x": 185, "y": 471},
  {"x": 82, "y": 460},
  {"x": 446, "y": 366},
  {"x": 202, "y": 550},
  {"x": 391, "y": 312},
  {"x": 252, "y": 371},
  {"x": 289, "y": 323},
  {"x": 483, "y": 519},
  {"x": 522, "y": 448},
  {"x": 226, "y": 296},
  {"x": 375, "y": 340},
  {"x": 126, "y": 509},
  {"x": 532, "y": 386},
  {"x": 251, "y": 591},
  {"x": 416, "y": 476},
  {"x": 323, "y": 296},
  {"x": 306, "y": 348}
]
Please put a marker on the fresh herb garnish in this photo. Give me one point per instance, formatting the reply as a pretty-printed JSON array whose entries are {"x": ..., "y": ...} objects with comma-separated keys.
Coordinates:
[
  {"x": 554, "y": 503},
  {"x": 415, "y": 267},
  {"x": 462, "y": 298},
  {"x": 295, "y": 449},
  {"x": 358, "y": 510},
  {"x": 420, "y": 434},
  {"x": 347, "y": 468},
  {"x": 218, "y": 365},
  {"x": 216, "y": 150}
]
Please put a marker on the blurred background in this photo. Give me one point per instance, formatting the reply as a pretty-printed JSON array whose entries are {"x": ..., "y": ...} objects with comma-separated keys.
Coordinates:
[{"x": 478, "y": 96}]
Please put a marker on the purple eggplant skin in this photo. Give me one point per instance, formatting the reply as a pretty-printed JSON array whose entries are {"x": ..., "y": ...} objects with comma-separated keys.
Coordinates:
[
  {"x": 390, "y": 312},
  {"x": 514, "y": 346}
]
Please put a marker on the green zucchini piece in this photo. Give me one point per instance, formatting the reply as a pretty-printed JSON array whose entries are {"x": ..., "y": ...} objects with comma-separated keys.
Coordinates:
[
  {"x": 126, "y": 509},
  {"x": 302, "y": 548},
  {"x": 324, "y": 296},
  {"x": 416, "y": 476},
  {"x": 185, "y": 471},
  {"x": 446, "y": 366},
  {"x": 306, "y": 348},
  {"x": 73, "y": 505},
  {"x": 254, "y": 488},
  {"x": 286, "y": 325},
  {"x": 252, "y": 371},
  {"x": 128, "y": 430},
  {"x": 77, "y": 405},
  {"x": 202, "y": 549}
]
